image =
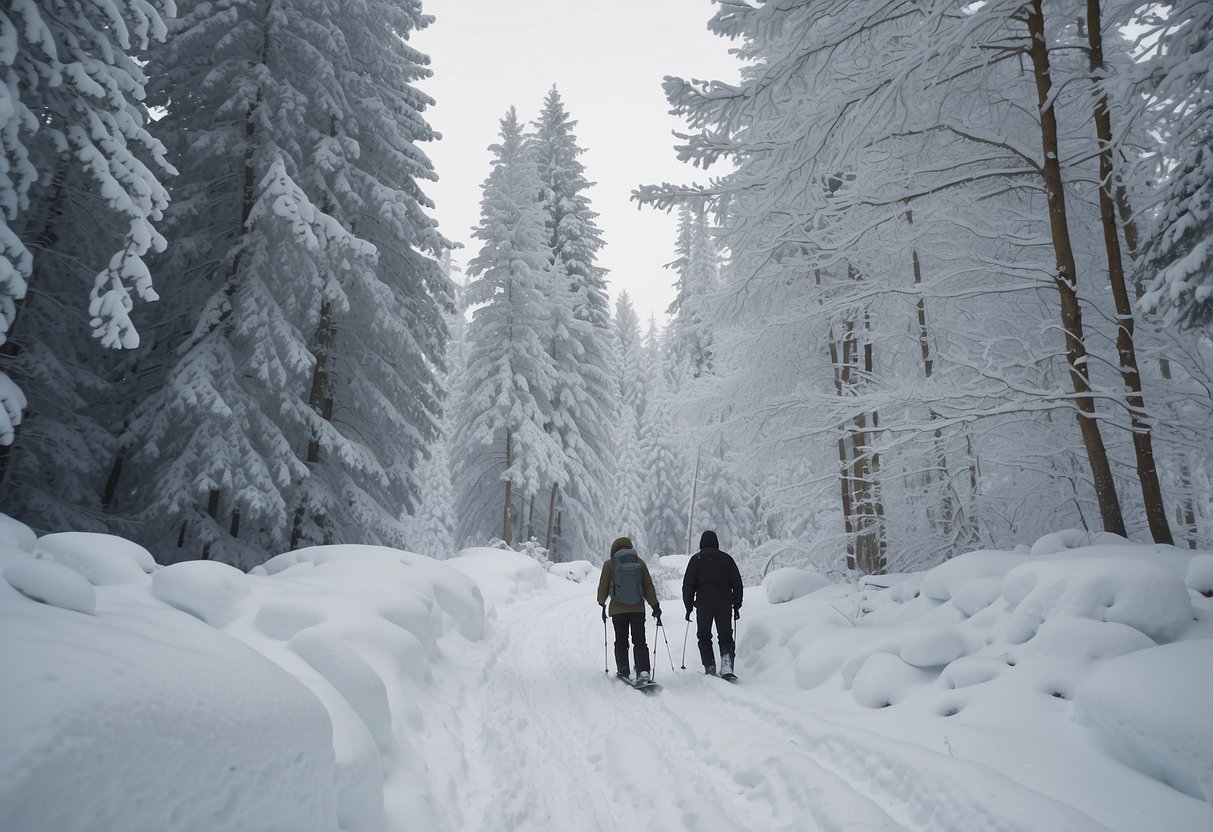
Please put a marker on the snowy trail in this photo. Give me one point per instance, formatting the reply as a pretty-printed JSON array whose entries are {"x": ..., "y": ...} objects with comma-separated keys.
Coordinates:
[{"x": 551, "y": 742}]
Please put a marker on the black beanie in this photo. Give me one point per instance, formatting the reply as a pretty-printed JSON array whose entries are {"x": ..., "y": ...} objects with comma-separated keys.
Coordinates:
[
  {"x": 708, "y": 540},
  {"x": 621, "y": 543}
]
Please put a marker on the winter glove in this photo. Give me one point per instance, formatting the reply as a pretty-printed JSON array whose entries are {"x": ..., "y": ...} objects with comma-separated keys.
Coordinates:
[
  {"x": 603, "y": 611},
  {"x": 688, "y": 615},
  {"x": 657, "y": 614},
  {"x": 736, "y": 613}
]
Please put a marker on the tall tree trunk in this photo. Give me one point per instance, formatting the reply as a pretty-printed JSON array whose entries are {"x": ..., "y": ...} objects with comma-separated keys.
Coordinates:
[
  {"x": 1066, "y": 279},
  {"x": 320, "y": 399},
  {"x": 551, "y": 519},
  {"x": 212, "y": 509},
  {"x": 509, "y": 494},
  {"x": 1143, "y": 443},
  {"x": 928, "y": 370},
  {"x": 844, "y": 461}
]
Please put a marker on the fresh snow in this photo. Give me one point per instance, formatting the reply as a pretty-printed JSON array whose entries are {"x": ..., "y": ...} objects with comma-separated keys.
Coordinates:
[{"x": 365, "y": 688}]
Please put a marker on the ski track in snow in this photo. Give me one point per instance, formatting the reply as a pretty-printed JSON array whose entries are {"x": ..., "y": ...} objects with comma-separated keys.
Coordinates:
[{"x": 552, "y": 742}]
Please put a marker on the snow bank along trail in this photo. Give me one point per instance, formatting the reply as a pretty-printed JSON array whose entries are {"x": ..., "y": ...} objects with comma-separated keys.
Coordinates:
[{"x": 553, "y": 742}]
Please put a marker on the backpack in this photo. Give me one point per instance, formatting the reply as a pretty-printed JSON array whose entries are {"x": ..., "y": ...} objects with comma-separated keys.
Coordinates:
[{"x": 627, "y": 581}]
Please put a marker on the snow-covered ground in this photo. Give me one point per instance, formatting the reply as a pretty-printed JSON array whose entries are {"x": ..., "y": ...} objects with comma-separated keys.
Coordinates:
[{"x": 1062, "y": 687}]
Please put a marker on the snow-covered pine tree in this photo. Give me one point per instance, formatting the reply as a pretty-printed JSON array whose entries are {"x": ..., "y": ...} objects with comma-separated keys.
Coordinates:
[
  {"x": 1176, "y": 79},
  {"x": 666, "y": 498},
  {"x": 689, "y": 336},
  {"x": 76, "y": 149},
  {"x": 380, "y": 340},
  {"x": 628, "y": 487},
  {"x": 211, "y": 458},
  {"x": 433, "y": 526},
  {"x": 504, "y": 453},
  {"x": 584, "y": 397}
]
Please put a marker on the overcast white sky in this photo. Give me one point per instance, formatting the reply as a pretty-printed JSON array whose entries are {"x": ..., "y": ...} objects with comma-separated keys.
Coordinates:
[{"x": 607, "y": 59}]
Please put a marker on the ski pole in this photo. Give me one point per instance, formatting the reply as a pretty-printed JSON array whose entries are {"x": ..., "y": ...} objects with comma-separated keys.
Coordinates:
[
  {"x": 668, "y": 652},
  {"x": 606, "y": 665},
  {"x": 684, "y": 644},
  {"x": 736, "y": 635},
  {"x": 653, "y": 664}
]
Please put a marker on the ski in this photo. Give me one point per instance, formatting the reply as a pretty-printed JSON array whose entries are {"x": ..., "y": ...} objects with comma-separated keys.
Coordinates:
[{"x": 643, "y": 687}]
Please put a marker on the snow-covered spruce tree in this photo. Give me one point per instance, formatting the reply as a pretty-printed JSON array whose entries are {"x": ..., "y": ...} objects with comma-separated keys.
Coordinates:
[
  {"x": 504, "y": 452},
  {"x": 628, "y": 488},
  {"x": 689, "y": 336},
  {"x": 380, "y": 339},
  {"x": 666, "y": 498},
  {"x": 584, "y": 397},
  {"x": 250, "y": 90},
  {"x": 1175, "y": 81},
  {"x": 79, "y": 190},
  {"x": 432, "y": 527}
]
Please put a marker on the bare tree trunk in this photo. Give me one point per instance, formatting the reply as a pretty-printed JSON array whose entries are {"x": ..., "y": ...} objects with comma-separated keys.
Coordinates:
[
  {"x": 320, "y": 399},
  {"x": 212, "y": 508},
  {"x": 844, "y": 462},
  {"x": 551, "y": 518},
  {"x": 509, "y": 493},
  {"x": 928, "y": 369},
  {"x": 1066, "y": 279},
  {"x": 1143, "y": 444}
]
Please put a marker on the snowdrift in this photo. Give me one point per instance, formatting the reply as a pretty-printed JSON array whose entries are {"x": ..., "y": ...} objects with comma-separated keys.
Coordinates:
[
  {"x": 195, "y": 697},
  {"x": 1099, "y": 652}
]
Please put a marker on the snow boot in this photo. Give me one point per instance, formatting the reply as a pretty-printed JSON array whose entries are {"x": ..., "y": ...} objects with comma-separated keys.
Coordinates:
[
  {"x": 623, "y": 674},
  {"x": 726, "y": 664},
  {"x": 710, "y": 670},
  {"x": 643, "y": 676}
]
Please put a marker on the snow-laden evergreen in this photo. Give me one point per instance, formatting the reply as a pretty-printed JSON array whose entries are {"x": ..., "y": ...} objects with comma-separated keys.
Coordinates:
[
  {"x": 667, "y": 490},
  {"x": 630, "y": 483},
  {"x": 504, "y": 451},
  {"x": 583, "y": 404},
  {"x": 1174, "y": 78},
  {"x": 297, "y": 381},
  {"x": 381, "y": 336},
  {"x": 74, "y": 142}
]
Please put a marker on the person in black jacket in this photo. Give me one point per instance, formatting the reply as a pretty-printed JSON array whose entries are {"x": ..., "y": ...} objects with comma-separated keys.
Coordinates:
[{"x": 712, "y": 585}]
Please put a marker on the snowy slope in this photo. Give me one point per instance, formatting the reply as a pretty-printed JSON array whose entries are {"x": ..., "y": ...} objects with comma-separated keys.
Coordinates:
[{"x": 360, "y": 688}]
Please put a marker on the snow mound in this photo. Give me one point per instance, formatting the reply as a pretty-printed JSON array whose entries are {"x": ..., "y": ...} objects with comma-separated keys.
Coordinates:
[
  {"x": 153, "y": 720},
  {"x": 502, "y": 574},
  {"x": 102, "y": 559},
  {"x": 1085, "y": 640},
  {"x": 789, "y": 583},
  {"x": 208, "y": 590},
  {"x": 16, "y": 534},
  {"x": 1145, "y": 596},
  {"x": 577, "y": 571},
  {"x": 352, "y": 677},
  {"x": 1199, "y": 577},
  {"x": 944, "y": 581},
  {"x": 883, "y": 680},
  {"x": 1150, "y": 723},
  {"x": 1060, "y": 541},
  {"x": 54, "y": 585},
  {"x": 11, "y": 555}
]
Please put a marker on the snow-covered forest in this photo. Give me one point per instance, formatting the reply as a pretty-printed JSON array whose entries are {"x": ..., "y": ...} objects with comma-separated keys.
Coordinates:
[
  {"x": 304, "y": 496},
  {"x": 948, "y": 286}
]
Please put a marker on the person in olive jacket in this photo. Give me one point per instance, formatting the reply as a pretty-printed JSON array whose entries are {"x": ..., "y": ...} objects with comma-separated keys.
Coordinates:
[
  {"x": 625, "y": 579},
  {"x": 712, "y": 586}
]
